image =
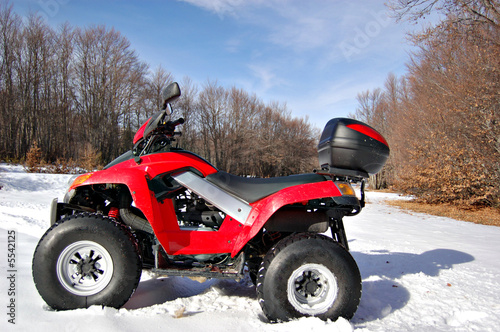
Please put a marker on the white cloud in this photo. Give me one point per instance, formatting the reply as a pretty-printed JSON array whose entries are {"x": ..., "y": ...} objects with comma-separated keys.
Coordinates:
[
  {"x": 302, "y": 33},
  {"x": 316, "y": 55},
  {"x": 221, "y": 7},
  {"x": 314, "y": 25},
  {"x": 266, "y": 78}
]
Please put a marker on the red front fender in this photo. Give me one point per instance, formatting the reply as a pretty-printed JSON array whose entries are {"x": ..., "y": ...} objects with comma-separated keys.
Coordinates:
[{"x": 133, "y": 178}]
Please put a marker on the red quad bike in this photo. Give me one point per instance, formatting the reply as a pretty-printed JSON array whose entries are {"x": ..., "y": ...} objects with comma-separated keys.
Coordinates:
[{"x": 164, "y": 209}]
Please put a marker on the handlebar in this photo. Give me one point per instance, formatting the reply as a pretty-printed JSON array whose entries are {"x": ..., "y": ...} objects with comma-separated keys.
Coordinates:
[
  {"x": 170, "y": 125},
  {"x": 157, "y": 134}
]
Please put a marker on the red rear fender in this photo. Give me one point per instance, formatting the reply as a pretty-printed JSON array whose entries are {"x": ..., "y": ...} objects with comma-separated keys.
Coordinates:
[{"x": 263, "y": 209}]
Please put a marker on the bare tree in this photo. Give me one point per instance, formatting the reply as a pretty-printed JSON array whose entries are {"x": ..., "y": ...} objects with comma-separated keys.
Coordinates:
[
  {"x": 10, "y": 41},
  {"x": 464, "y": 11},
  {"x": 186, "y": 105},
  {"x": 212, "y": 110},
  {"x": 34, "y": 71},
  {"x": 481, "y": 17},
  {"x": 373, "y": 109},
  {"x": 243, "y": 112},
  {"x": 159, "y": 80},
  {"x": 106, "y": 68}
]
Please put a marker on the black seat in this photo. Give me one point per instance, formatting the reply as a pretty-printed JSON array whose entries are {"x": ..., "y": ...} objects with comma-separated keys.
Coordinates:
[{"x": 253, "y": 189}]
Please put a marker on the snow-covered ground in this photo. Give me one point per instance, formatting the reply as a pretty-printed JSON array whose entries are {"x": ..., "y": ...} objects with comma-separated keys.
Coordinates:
[{"x": 420, "y": 273}]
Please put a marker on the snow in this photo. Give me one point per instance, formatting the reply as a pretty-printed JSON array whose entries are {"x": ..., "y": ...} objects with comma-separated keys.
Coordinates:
[{"x": 420, "y": 273}]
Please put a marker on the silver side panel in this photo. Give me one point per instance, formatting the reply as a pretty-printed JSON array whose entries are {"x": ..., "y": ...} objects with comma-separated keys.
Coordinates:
[{"x": 227, "y": 203}]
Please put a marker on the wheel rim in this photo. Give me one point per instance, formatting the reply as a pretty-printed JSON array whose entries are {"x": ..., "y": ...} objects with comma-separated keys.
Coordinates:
[
  {"x": 84, "y": 268},
  {"x": 312, "y": 289}
]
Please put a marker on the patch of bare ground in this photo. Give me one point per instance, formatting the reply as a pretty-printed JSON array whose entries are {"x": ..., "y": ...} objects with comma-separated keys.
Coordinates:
[{"x": 484, "y": 216}]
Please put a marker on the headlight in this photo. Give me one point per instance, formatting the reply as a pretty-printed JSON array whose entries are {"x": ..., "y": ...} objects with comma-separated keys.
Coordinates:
[
  {"x": 81, "y": 179},
  {"x": 72, "y": 179}
]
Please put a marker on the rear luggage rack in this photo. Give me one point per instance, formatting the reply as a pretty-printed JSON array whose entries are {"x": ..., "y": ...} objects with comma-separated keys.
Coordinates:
[
  {"x": 353, "y": 175},
  {"x": 348, "y": 175}
]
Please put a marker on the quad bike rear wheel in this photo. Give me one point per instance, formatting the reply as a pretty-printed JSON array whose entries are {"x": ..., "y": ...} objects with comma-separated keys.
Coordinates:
[
  {"x": 308, "y": 275},
  {"x": 84, "y": 260}
]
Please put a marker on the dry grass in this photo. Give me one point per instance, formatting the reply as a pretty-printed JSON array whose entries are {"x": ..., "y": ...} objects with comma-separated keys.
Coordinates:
[{"x": 484, "y": 216}]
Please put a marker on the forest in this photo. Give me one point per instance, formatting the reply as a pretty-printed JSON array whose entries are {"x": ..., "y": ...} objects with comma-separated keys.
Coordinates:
[
  {"x": 442, "y": 118},
  {"x": 76, "y": 96}
]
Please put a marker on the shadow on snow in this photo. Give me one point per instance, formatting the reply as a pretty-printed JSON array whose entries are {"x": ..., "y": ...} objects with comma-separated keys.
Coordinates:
[
  {"x": 380, "y": 269},
  {"x": 164, "y": 289},
  {"x": 382, "y": 294}
]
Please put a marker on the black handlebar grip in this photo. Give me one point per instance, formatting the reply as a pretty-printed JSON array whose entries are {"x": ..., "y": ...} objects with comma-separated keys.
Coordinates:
[
  {"x": 177, "y": 122},
  {"x": 172, "y": 124}
]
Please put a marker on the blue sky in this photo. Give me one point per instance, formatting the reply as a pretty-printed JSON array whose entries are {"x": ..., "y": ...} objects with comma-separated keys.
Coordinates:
[{"x": 315, "y": 55}]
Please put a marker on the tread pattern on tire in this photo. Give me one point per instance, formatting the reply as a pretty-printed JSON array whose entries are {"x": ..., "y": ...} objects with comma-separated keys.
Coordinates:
[
  {"x": 275, "y": 250},
  {"x": 125, "y": 230}
]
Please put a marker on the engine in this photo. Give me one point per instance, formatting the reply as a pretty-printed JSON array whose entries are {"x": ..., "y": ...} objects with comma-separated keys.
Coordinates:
[{"x": 196, "y": 213}]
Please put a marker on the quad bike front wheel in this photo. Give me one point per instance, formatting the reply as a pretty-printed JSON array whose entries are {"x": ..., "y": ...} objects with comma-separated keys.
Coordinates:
[
  {"x": 86, "y": 259},
  {"x": 308, "y": 275}
]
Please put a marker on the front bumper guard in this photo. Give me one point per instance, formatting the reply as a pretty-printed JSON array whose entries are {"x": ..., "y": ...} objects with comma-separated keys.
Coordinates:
[{"x": 59, "y": 210}]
